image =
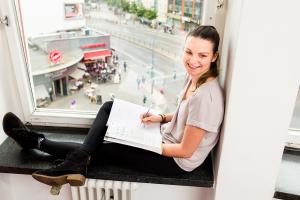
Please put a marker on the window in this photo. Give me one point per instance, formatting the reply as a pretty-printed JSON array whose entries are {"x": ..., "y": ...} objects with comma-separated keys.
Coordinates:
[{"x": 77, "y": 54}]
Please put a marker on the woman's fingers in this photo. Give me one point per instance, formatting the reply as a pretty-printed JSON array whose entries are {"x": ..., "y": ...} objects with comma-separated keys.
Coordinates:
[
  {"x": 146, "y": 119},
  {"x": 145, "y": 115}
]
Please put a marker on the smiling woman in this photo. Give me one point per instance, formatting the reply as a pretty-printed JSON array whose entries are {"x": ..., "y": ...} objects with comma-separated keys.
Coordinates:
[{"x": 200, "y": 54}]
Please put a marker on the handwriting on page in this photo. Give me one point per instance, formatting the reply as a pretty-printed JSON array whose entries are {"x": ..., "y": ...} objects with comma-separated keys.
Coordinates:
[
  {"x": 134, "y": 134},
  {"x": 124, "y": 126}
]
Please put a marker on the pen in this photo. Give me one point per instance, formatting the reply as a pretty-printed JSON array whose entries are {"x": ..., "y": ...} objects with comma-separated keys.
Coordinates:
[{"x": 145, "y": 115}]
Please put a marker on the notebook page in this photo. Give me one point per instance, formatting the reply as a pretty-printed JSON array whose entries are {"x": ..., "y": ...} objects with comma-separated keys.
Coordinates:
[
  {"x": 124, "y": 123},
  {"x": 124, "y": 112},
  {"x": 148, "y": 135}
]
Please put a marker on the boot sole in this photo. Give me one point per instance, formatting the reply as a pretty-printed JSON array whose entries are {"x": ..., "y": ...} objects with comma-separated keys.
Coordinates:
[{"x": 72, "y": 179}]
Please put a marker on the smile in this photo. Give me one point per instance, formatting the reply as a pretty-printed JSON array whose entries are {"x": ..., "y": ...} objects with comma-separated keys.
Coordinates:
[{"x": 193, "y": 67}]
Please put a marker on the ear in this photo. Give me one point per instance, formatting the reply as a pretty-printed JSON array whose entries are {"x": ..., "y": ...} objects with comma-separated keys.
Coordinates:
[{"x": 215, "y": 57}]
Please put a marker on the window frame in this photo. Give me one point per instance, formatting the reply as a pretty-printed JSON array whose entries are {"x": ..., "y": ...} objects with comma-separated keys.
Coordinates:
[{"x": 22, "y": 74}]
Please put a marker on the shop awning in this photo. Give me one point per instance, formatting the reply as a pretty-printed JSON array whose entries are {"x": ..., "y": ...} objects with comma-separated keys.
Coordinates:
[
  {"x": 92, "y": 55},
  {"x": 77, "y": 74},
  {"x": 93, "y": 45},
  {"x": 41, "y": 92}
]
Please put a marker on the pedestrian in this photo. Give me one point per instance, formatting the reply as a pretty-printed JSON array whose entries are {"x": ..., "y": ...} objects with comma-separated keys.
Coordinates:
[
  {"x": 198, "y": 115},
  {"x": 162, "y": 91},
  {"x": 144, "y": 99},
  {"x": 138, "y": 81},
  {"x": 125, "y": 66},
  {"x": 174, "y": 75},
  {"x": 143, "y": 79},
  {"x": 50, "y": 90}
]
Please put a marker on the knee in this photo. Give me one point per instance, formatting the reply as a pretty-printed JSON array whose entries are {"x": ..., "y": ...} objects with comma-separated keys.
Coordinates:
[{"x": 107, "y": 106}]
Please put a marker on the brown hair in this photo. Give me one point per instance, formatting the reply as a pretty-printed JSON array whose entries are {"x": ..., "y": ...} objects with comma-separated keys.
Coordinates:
[{"x": 208, "y": 33}]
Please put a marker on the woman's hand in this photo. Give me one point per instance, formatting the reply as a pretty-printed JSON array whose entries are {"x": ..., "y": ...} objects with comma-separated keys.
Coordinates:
[{"x": 148, "y": 118}]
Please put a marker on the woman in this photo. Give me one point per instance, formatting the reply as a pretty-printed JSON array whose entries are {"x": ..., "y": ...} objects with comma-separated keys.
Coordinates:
[{"x": 188, "y": 134}]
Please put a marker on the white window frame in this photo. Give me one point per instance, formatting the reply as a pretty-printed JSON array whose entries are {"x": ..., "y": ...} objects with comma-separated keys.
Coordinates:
[{"x": 20, "y": 62}]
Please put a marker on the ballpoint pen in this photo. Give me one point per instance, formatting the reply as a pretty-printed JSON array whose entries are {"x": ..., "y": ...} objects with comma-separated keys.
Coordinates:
[{"x": 145, "y": 115}]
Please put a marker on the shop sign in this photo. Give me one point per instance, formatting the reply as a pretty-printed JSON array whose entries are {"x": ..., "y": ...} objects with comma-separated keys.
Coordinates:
[{"x": 55, "y": 56}]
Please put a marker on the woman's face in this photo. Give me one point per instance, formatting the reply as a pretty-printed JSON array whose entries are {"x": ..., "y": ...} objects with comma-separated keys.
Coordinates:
[{"x": 197, "y": 56}]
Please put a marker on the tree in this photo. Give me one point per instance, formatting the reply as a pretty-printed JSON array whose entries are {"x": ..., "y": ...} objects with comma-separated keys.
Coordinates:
[
  {"x": 140, "y": 11},
  {"x": 125, "y": 6},
  {"x": 150, "y": 14},
  {"x": 133, "y": 8}
]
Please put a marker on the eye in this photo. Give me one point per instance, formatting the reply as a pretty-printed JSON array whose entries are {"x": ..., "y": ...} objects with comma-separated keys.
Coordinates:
[
  {"x": 202, "y": 56},
  {"x": 188, "y": 52}
]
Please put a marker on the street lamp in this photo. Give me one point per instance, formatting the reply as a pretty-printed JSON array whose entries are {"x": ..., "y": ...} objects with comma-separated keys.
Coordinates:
[{"x": 152, "y": 67}]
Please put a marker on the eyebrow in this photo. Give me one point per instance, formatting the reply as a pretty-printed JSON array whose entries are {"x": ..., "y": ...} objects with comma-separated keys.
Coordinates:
[{"x": 198, "y": 52}]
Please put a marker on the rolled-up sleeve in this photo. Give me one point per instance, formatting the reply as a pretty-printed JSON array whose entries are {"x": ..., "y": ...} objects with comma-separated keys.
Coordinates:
[{"x": 205, "y": 111}]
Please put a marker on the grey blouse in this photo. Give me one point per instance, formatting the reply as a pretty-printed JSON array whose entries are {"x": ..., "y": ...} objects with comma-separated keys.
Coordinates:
[{"x": 204, "y": 109}]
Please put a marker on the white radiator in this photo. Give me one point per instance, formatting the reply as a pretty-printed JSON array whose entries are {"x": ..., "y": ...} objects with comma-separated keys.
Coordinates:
[{"x": 95, "y": 189}]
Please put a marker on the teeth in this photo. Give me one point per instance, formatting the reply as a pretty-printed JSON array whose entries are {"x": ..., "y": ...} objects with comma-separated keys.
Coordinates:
[{"x": 194, "y": 67}]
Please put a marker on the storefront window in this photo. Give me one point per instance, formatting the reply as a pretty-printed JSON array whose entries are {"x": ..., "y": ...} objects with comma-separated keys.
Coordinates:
[{"x": 83, "y": 53}]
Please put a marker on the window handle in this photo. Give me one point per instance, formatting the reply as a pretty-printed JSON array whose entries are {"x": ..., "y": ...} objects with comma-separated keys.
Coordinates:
[{"x": 4, "y": 20}]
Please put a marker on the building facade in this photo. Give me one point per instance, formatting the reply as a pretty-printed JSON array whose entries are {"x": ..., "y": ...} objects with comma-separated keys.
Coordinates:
[{"x": 185, "y": 14}]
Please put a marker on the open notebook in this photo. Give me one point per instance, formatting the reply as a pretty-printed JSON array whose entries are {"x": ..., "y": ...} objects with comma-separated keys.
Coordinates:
[{"x": 124, "y": 127}]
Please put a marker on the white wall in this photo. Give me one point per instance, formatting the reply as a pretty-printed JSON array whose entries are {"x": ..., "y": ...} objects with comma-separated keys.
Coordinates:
[
  {"x": 24, "y": 187},
  {"x": 47, "y": 16},
  {"x": 260, "y": 52}
]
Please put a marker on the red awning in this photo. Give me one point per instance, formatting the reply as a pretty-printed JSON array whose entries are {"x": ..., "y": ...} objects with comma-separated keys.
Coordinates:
[
  {"x": 93, "y": 45},
  {"x": 92, "y": 55}
]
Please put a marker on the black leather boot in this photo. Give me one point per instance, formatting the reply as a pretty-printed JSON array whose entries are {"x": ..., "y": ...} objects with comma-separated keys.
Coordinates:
[
  {"x": 15, "y": 129},
  {"x": 73, "y": 170}
]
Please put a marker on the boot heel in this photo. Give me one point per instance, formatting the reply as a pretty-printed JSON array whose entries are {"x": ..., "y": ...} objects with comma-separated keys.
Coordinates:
[{"x": 76, "y": 180}]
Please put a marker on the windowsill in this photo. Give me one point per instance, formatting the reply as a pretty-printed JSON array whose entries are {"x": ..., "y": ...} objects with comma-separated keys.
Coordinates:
[
  {"x": 14, "y": 160},
  {"x": 288, "y": 181}
]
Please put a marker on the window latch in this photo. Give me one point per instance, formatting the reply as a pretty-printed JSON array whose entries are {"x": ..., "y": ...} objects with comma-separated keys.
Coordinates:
[
  {"x": 4, "y": 20},
  {"x": 220, "y": 4}
]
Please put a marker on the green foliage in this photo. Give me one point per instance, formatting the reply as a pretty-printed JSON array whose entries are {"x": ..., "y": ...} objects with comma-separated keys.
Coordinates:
[
  {"x": 150, "y": 14},
  {"x": 135, "y": 8},
  {"x": 125, "y": 6},
  {"x": 115, "y": 3},
  {"x": 140, "y": 11}
]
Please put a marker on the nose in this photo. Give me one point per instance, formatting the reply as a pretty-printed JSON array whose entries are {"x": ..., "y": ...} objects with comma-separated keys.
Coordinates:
[{"x": 194, "y": 59}]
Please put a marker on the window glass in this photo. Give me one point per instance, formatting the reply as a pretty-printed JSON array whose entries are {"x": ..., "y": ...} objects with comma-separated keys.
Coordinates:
[
  {"x": 295, "y": 122},
  {"x": 84, "y": 52}
]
